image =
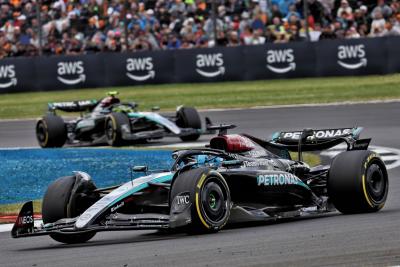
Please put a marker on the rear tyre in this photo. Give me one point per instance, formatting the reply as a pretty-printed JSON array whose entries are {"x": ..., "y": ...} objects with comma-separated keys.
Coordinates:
[
  {"x": 358, "y": 182},
  {"x": 113, "y": 128},
  {"x": 209, "y": 197},
  {"x": 56, "y": 205},
  {"x": 51, "y": 131},
  {"x": 188, "y": 117}
]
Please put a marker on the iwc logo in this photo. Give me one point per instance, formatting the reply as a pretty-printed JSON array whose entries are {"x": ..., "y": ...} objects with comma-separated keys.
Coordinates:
[
  {"x": 210, "y": 65},
  {"x": 71, "y": 73},
  {"x": 142, "y": 68}
]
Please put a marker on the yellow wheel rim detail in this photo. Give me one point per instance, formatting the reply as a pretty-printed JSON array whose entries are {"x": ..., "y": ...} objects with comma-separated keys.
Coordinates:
[
  {"x": 199, "y": 184},
  {"x": 365, "y": 192},
  {"x": 199, "y": 213}
]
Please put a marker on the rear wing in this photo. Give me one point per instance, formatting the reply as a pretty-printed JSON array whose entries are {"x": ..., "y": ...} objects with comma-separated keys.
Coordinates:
[
  {"x": 321, "y": 139},
  {"x": 73, "y": 106}
]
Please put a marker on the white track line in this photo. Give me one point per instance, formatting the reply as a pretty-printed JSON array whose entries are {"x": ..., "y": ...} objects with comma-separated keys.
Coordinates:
[
  {"x": 180, "y": 145},
  {"x": 391, "y": 156},
  {"x": 8, "y": 227},
  {"x": 346, "y": 103}
]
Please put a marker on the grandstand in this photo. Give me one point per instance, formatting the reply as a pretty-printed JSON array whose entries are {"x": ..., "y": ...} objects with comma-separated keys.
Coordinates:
[{"x": 31, "y": 28}]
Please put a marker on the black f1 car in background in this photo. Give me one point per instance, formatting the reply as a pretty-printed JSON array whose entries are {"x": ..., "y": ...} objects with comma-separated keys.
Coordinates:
[
  {"x": 237, "y": 178},
  {"x": 110, "y": 121}
]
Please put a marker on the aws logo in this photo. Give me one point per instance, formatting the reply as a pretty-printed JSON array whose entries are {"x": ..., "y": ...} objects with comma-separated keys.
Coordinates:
[
  {"x": 352, "y": 53},
  {"x": 142, "y": 67},
  {"x": 7, "y": 76},
  {"x": 281, "y": 60},
  {"x": 210, "y": 65},
  {"x": 71, "y": 73}
]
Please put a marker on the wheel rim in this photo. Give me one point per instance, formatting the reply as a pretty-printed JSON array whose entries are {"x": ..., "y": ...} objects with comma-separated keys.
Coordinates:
[
  {"x": 41, "y": 133},
  {"x": 214, "y": 201},
  {"x": 376, "y": 182},
  {"x": 110, "y": 132}
]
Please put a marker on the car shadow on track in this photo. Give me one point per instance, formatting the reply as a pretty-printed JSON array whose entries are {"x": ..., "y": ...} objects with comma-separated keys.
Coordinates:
[
  {"x": 166, "y": 234},
  {"x": 154, "y": 236},
  {"x": 281, "y": 221}
]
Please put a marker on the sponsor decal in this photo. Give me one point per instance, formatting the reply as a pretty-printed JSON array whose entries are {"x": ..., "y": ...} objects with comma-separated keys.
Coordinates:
[
  {"x": 319, "y": 134},
  {"x": 210, "y": 61},
  {"x": 182, "y": 200},
  {"x": 142, "y": 67},
  {"x": 277, "y": 179},
  {"x": 7, "y": 76},
  {"x": 71, "y": 104},
  {"x": 256, "y": 163},
  {"x": 283, "y": 57},
  {"x": 25, "y": 219},
  {"x": 120, "y": 205},
  {"x": 70, "y": 73},
  {"x": 233, "y": 155},
  {"x": 256, "y": 153},
  {"x": 354, "y": 53}
]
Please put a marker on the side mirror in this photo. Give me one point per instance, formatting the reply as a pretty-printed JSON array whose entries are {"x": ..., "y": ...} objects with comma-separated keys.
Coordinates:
[
  {"x": 139, "y": 168},
  {"x": 155, "y": 108}
]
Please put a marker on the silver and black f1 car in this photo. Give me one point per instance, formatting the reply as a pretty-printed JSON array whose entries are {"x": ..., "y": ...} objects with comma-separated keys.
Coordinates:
[
  {"x": 113, "y": 122},
  {"x": 238, "y": 178}
]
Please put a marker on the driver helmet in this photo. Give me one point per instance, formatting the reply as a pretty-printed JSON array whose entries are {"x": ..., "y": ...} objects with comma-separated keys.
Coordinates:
[{"x": 110, "y": 100}]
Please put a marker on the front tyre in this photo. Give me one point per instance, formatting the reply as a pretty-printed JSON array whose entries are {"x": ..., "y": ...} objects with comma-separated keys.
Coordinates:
[
  {"x": 188, "y": 117},
  {"x": 209, "y": 197},
  {"x": 113, "y": 128},
  {"x": 358, "y": 182},
  {"x": 51, "y": 131},
  {"x": 64, "y": 200}
]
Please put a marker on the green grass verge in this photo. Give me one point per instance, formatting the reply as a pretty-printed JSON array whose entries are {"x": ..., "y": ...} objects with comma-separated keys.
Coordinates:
[
  {"x": 14, "y": 208},
  {"x": 218, "y": 95},
  {"x": 311, "y": 158}
]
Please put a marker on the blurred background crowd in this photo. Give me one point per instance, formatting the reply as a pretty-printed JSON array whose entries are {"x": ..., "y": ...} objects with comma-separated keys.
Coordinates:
[{"x": 30, "y": 28}]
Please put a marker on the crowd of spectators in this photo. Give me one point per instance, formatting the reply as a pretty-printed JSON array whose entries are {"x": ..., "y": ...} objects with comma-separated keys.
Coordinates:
[{"x": 88, "y": 26}]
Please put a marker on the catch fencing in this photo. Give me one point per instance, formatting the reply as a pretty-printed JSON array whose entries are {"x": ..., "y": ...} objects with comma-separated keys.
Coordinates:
[{"x": 270, "y": 61}]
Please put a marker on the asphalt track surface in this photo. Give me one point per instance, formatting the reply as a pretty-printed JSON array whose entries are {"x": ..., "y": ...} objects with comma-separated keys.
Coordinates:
[{"x": 351, "y": 240}]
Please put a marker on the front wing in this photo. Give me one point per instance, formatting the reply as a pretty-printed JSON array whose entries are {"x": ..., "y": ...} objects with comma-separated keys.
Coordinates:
[{"x": 24, "y": 225}]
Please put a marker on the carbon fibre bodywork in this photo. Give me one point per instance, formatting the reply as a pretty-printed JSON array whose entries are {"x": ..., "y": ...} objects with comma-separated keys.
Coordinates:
[{"x": 264, "y": 182}]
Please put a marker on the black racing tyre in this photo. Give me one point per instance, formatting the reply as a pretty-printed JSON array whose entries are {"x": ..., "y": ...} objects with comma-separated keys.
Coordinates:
[
  {"x": 188, "y": 117},
  {"x": 358, "y": 182},
  {"x": 209, "y": 197},
  {"x": 55, "y": 206},
  {"x": 51, "y": 131},
  {"x": 113, "y": 130}
]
